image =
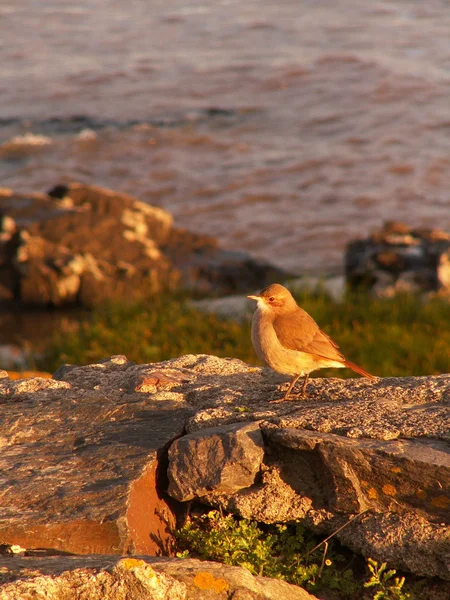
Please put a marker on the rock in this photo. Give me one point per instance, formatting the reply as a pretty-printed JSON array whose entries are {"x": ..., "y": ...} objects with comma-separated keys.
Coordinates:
[
  {"x": 128, "y": 578},
  {"x": 137, "y": 578},
  {"x": 203, "y": 577},
  {"x": 355, "y": 476},
  {"x": 13, "y": 356},
  {"x": 234, "y": 307},
  {"x": 399, "y": 258},
  {"x": 27, "y": 374},
  {"x": 80, "y": 458},
  {"x": 82, "y": 244},
  {"x": 332, "y": 286},
  {"x": 383, "y": 472},
  {"x": 81, "y": 453},
  {"x": 238, "y": 308},
  {"x": 379, "y": 447},
  {"x": 9, "y": 243},
  {"x": 223, "y": 459},
  {"x": 443, "y": 270}
]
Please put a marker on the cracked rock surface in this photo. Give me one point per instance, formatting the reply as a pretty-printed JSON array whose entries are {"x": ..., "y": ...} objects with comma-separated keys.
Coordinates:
[{"x": 89, "y": 456}]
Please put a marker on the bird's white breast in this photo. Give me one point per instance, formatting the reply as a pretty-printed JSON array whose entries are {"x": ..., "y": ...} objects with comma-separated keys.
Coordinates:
[{"x": 269, "y": 349}]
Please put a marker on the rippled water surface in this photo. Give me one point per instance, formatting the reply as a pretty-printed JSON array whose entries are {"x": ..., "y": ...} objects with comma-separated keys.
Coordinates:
[{"x": 285, "y": 129}]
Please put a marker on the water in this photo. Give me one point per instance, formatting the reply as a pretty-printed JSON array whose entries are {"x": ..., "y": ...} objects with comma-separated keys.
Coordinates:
[{"x": 285, "y": 129}]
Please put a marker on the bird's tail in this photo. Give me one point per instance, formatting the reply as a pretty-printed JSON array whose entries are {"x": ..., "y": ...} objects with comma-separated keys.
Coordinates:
[{"x": 357, "y": 369}]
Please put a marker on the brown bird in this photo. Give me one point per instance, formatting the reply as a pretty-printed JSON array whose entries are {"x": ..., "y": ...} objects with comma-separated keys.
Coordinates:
[{"x": 289, "y": 341}]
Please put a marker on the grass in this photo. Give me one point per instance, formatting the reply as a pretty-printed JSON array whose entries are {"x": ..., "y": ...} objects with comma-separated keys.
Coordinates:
[
  {"x": 157, "y": 329},
  {"x": 389, "y": 337}
]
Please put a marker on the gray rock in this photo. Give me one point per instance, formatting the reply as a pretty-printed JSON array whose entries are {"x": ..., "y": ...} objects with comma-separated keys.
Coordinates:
[
  {"x": 358, "y": 474},
  {"x": 238, "y": 308},
  {"x": 332, "y": 285},
  {"x": 13, "y": 357},
  {"x": 399, "y": 258},
  {"x": 9, "y": 242},
  {"x": 235, "y": 307},
  {"x": 224, "y": 459},
  {"x": 136, "y": 578},
  {"x": 378, "y": 449}
]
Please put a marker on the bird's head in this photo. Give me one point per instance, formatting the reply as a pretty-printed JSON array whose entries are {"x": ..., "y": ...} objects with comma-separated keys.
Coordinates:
[{"x": 275, "y": 299}]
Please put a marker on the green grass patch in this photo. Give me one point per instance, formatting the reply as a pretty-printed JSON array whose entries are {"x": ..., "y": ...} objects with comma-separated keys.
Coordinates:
[
  {"x": 158, "y": 329},
  {"x": 390, "y": 337}
]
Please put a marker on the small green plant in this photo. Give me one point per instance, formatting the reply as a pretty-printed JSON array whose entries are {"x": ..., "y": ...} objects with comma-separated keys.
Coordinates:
[
  {"x": 222, "y": 538},
  {"x": 289, "y": 552},
  {"x": 281, "y": 551},
  {"x": 241, "y": 409},
  {"x": 388, "y": 587}
]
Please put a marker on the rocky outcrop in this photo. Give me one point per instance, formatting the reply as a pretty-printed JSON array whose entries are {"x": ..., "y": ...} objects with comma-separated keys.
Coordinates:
[
  {"x": 399, "y": 258},
  {"x": 82, "y": 452},
  {"x": 81, "y": 244},
  {"x": 140, "y": 578}
]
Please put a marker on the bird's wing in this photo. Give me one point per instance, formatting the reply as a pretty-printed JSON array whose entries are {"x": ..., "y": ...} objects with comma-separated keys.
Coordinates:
[{"x": 298, "y": 331}]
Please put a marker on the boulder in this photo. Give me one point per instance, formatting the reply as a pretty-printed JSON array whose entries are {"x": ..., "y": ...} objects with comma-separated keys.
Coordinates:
[
  {"x": 81, "y": 244},
  {"x": 89, "y": 455},
  {"x": 80, "y": 461},
  {"x": 9, "y": 244},
  {"x": 224, "y": 459},
  {"x": 399, "y": 258},
  {"x": 137, "y": 578}
]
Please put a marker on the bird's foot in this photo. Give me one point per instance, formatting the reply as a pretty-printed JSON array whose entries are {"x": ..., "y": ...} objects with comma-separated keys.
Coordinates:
[
  {"x": 276, "y": 401},
  {"x": 289, "y": 397}
]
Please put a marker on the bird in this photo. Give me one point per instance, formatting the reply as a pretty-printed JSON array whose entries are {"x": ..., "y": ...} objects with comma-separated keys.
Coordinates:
[{"x": 288, "y": 340}]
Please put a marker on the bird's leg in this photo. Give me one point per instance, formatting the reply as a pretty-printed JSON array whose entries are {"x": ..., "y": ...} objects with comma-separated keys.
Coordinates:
[
  {"x": 291, "y": 385},
  {"x": 293, "y": 382},
  {"x": 305, "y": 381}
]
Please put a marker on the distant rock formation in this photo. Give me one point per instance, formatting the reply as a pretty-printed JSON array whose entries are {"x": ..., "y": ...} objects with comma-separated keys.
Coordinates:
[
  {"x": 399, "y": 258},
  {"x": 101, "y": 458},
  {"x": 81, "y": 244}
]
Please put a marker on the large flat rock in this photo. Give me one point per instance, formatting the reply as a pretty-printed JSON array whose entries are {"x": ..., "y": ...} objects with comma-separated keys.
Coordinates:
[{"x": 88, "y": 457}]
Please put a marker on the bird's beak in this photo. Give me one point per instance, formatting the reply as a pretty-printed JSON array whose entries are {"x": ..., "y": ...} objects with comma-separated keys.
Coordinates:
[{"x": 253, "y": 298}]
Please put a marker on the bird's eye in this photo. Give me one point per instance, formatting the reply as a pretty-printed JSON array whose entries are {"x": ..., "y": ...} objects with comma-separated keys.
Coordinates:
[{"x": 271, "y": 299}]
